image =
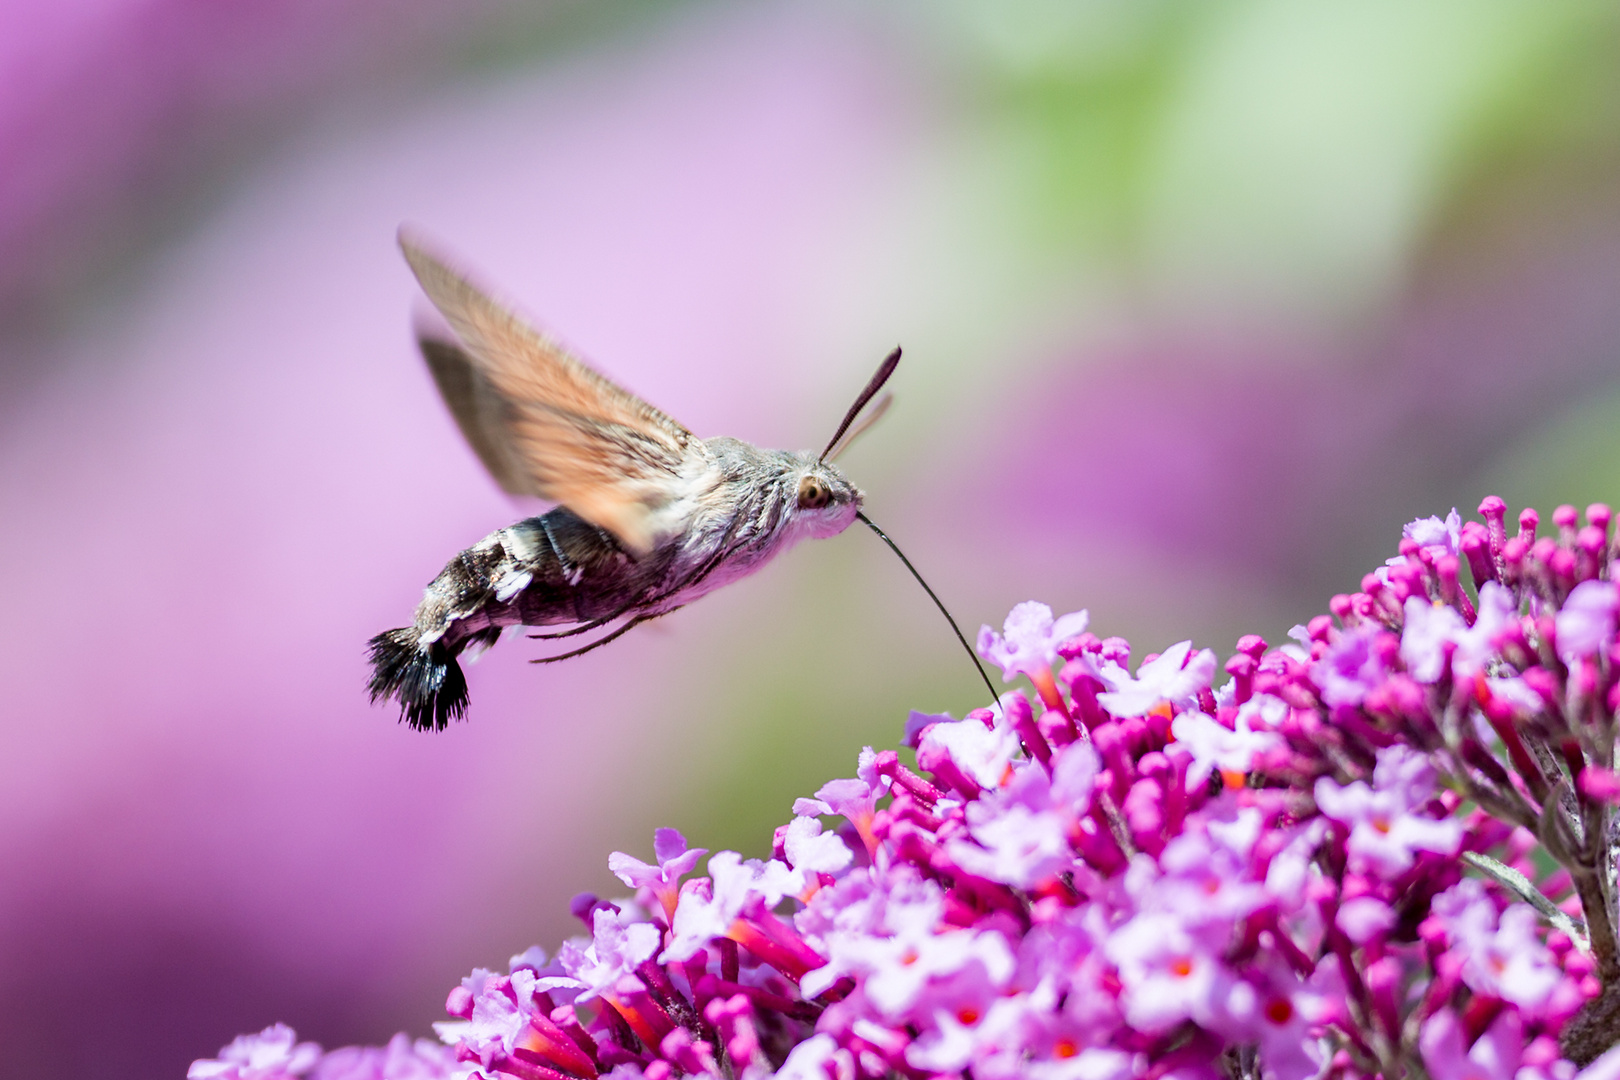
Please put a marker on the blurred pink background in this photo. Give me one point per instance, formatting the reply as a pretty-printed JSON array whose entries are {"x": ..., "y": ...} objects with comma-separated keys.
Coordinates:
[{"x": 1199, "y": 306}]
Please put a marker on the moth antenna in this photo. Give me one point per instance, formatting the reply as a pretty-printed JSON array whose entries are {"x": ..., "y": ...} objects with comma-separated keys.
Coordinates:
[
  {"x": 873, "y": 416},
  {"x": 884, "y": 370},
  {"x": 937, "y": 602}
]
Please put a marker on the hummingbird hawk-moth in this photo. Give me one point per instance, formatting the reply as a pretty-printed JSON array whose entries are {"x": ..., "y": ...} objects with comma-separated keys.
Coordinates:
[{"x": 649, "y": 517}]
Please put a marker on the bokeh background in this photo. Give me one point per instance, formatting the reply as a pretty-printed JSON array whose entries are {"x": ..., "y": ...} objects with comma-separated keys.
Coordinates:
[{"x": 1200, "y": 301}]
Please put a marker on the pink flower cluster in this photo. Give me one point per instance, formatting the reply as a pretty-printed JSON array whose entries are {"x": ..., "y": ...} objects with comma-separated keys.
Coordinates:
[{"x": 1385, "y": 848}]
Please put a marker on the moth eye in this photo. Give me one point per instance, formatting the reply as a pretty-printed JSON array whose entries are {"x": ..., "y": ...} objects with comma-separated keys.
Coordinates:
[{"x": 813, "y": 495}]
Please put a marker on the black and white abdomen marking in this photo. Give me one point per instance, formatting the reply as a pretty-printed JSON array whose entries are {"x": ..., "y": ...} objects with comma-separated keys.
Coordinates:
[{"x": 543, "y": 571}]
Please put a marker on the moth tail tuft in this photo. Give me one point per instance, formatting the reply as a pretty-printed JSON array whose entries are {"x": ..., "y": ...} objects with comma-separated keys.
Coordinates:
[{"x": 426, "y": 680}]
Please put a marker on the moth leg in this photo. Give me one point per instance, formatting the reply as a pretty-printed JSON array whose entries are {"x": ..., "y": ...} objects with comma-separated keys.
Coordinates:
[
  {"x": 597, "y": 644},
  {"x": 707, "y": 568},
  {"x": 594, "y": 624}
]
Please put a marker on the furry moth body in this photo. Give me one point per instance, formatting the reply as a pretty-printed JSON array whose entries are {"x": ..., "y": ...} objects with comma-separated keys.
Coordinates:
[{"x": 649, "y": 517}]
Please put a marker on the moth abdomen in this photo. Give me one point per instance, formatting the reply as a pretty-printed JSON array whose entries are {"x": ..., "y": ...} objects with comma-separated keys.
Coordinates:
[
  {"x": 423, "y": 677},
  {"x": 542, "y": 571}
]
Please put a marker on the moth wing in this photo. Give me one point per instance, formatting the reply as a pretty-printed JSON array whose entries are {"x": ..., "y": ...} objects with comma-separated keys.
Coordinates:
[
  {"x": 483, "y": 415},
  {"x": 575, "y": 438}
]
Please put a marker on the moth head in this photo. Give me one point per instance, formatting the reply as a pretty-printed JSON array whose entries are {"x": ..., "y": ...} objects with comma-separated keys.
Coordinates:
[{"x": 824, "y": 499}]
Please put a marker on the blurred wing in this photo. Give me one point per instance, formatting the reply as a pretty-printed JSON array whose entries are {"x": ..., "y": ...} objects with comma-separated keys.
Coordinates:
[
  {"x": 485, "y": 418},
  {"x": 544, "y": 424}
]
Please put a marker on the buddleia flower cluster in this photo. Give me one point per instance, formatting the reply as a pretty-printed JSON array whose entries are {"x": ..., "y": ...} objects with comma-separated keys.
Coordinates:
[{"x": 1382, "y": 848}]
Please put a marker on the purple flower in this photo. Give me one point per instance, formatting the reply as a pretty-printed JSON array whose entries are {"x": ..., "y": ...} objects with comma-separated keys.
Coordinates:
[
  {"x": 1068, "y": 898},
  {"x": 273, "y": 1054},
  {"x": 619, "y": 945},
  {"x": 854, "y": 800},
  {"x": 1215, "y": 746},
  {"x": 737, "y": 886},
  {"x": 918, "y": 722},
  {"x": 1431, "y": 627},
  {"x": 1516, "y": 694},
  {"x": 1206, "y": 880},
  {"x": 1436, "y": 536},
  {"x": 1351, "y": 667},
  {"x": 817, "y": 1058},
  {"x": 1020, "y": 833},
  {"x": 1287, "y": 1018},
  {"x": 1029, "y": 639},
  {"x": 1385, "y": 833},
  {"x": 897, "y": 943},
  {"x": 1498, "y": 612},
  {"x": 1364, "y": 918},
  {"x": 1512, "y": 964},
  {"x": 1175, "y": 677},
  {"x": 1585, "y": 624},
  {"x": 401, "y": 1059},
  {"x": 982, "y": 754},
  {"x": 1494, "y": 1055},
  {"x": 675, "y": 861},
  {"x": 1606, "y": 1067},
  {"x": 1092, "y": 1063},
  {"x": 1015, "y": 844},
  {"x": 1167, "y": 974},
  {"x": 1503, "y": 957},
  {"x": 497, "y": 1015},
  {"x": 809, "y": 850}
]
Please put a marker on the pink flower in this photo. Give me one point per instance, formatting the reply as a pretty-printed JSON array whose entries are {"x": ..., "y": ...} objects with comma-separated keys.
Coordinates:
[
  {"x": 1029, "y": 639},
  {"x": 809, "y": 850},
  {"x": 401, "y": 1059},
  {"x": 1504, "y": 957},
  {"x": 1431, "y": 627},
  {"x": 497, "y": 1012},
  {"x": 1352, "y": 666},
  {"x": 1206, "y": 880},
  {"x": 817, "y": 1058},
  {"x": 1585, "y": 624},
  {"x": 854, "y": 800},
  {"x": 1175, "y": 677},
  {"x": 1385, "y": 830},
  {"x": 1365, "y": 918},
  {"x": 1068, "y": 899},
  {"x": 621, "y": 943},
  {"x": 1015, "y": 845},
  {"x": 1494, "y": 1055},
  {"x": 982, "y": 754},
  {"x": 737, "y": 886},
  {"x": 675, "y": 861},
  {"x": 1215, "y": 746},
  {"x": 905, "y": 946},
  {"x": 1439, "y": 537},
  {"x": 1167, "y": 976},
  {"x": 273, "y": 1054}
]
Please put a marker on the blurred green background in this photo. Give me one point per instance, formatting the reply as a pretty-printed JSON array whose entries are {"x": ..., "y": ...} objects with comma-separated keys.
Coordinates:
[{"x": 1200, "y": 304}]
